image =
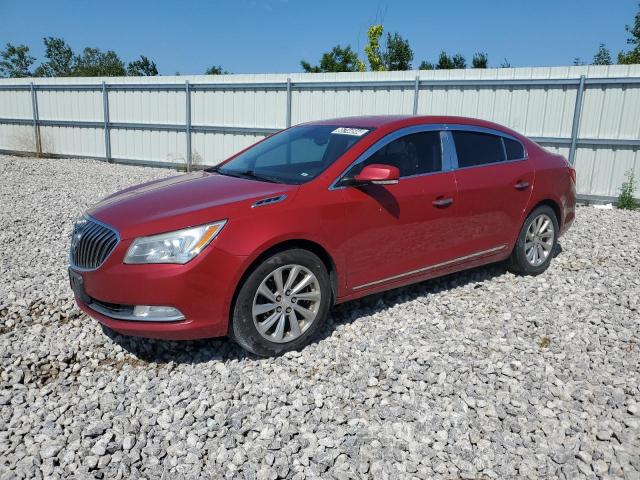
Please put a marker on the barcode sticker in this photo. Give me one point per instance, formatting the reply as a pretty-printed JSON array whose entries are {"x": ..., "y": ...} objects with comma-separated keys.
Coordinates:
[{"x": 357, "y": 132}]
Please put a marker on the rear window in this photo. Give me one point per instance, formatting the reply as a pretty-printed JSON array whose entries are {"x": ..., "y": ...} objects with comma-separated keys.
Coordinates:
[
  {"x": 474, "y": 148},
  {"x": 515, "y": 150}
]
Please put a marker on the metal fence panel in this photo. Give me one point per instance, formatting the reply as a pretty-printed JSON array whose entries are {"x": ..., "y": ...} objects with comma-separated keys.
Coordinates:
[
  {"x": 243, "y": 108},
  {"x": 69, "y": 105},
  {"x": 147, "y": 106},
  {"x": 611, "y": 111},
  {"x": 142, "y": 145},
  {"x": 200, "y": 120},
  {"x": 15, "y": 104},
  {"x": 17, "y": 138},
  {"x": 323, "y": 103},
  {"x": 81, "y": 141},
  {"x": 602, "y": 170}
]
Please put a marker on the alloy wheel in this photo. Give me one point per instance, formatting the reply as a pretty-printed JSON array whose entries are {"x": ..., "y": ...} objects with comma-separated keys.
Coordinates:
[
  {"x": 286, "y": 303},
  {"x": 538, "y": 243}
]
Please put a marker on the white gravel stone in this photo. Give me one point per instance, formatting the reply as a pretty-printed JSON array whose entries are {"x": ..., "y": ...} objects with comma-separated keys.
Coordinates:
[{"x": 482, "y": 374}]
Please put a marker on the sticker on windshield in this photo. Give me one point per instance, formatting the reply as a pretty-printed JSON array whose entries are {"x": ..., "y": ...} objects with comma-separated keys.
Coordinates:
[{"x": 357, "y": 132}]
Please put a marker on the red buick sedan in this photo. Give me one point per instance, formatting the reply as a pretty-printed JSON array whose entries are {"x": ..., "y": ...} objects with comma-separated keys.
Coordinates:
[{"x": 260, "y": 247}]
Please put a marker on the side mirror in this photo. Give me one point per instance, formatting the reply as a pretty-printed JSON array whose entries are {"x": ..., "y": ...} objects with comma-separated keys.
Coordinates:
[{"x": 377, "y": 174}]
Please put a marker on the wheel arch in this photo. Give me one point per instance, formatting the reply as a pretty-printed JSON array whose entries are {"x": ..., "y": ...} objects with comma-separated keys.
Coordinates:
[
  {"x": 303, "y": 244},
  {"x": 555, "y": 206}
]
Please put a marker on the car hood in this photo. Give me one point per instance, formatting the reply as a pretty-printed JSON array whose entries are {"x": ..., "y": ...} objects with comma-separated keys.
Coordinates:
[{"x": 181, "y": 201}]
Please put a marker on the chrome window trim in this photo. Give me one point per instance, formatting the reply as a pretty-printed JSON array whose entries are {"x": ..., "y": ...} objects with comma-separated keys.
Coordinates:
[
  {"x": 450, "y": 149},
  {"x": 93, "y": 219},
  {"x": 432, "y": 267},
  {"x": 387, "y": 139},
  {"x": 504, "y": 149},
  {"x": 447, "y": 146}
]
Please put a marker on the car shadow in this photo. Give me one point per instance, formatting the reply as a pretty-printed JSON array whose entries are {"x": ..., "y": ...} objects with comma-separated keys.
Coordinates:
[{"x": 164, "y": 352}]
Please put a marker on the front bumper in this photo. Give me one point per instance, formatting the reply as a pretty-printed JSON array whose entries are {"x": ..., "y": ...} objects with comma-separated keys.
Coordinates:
[{"x": 202, "y": 290}]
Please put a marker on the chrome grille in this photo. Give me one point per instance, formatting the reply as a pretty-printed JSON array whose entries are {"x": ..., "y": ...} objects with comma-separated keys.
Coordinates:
[{"x": 91, "y": 244}]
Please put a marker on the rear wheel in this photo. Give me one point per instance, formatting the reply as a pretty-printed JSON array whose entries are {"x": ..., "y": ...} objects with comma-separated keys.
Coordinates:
[
  {"x": 282, "y": 303},
  {"x": 536, "y": 242}
]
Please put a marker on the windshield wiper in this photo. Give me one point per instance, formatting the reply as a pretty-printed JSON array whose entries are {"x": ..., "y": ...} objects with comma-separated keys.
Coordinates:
[
  {"x": 245, "y": 174},
  {"x": 258, "y": 176}
]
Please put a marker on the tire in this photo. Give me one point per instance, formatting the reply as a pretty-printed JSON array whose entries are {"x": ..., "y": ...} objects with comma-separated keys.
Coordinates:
[
  {"x": 262, "y": 320},
  {"x": 523, "y": 260}
]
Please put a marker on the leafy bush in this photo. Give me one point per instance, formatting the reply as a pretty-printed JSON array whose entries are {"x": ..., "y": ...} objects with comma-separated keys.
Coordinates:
[{"x": 625, "y": 199}]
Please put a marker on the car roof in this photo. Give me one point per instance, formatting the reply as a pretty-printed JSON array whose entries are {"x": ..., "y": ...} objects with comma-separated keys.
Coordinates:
[{"x": 397, "y": 121}]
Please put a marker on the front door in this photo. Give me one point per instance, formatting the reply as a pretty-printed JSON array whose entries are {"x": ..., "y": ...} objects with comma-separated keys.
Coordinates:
[{"x": 397, "y": 229}]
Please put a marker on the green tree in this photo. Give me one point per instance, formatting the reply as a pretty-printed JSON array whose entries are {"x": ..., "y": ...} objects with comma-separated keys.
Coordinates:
[
  {"x": 60, "y": 59},
  {"x": 95, "y": 63},
  {"x": 16, "y": 61},
  {"x": 629, "y": 58},
  {"x": 142, "y": 68},
  {"x": 398, "y": 54},
  {"x": 215, "y": 70},
  {"x": 337, "y": 60},
  {"x": 480, "y": 60},
  {"x": 577, "y": 61},
  {"x": 632, "y": 56},
  {"x": 424, "y": 65},
  {"x": 372, "y": 49},
  {"x": 603, "y": 56},
  {"x": 505, "y": 64},
  {"x": 445, "y": 62},
  {"x": 459, "y": 61}
]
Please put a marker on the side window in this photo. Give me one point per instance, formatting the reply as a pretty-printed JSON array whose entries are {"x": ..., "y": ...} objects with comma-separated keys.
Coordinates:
[
  {"x": 414, "y": 154},
  {"x": 475, "y": 148},
  {"x": 515, "y": 150}
]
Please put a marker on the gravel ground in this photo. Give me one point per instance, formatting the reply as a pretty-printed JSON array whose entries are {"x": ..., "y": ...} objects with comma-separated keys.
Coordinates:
[{"x": 479, "y": 375}]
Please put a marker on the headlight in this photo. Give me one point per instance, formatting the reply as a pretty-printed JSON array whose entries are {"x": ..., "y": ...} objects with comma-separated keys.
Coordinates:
[{"x": 173, "y": 247}]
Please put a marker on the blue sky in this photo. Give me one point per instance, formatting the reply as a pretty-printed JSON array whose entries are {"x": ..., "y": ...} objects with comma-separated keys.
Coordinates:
[{"x": 261, "y": 36}]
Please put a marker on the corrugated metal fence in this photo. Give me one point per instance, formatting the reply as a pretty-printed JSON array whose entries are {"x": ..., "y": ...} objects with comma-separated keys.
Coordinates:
[{"x": 589, "y": 114}]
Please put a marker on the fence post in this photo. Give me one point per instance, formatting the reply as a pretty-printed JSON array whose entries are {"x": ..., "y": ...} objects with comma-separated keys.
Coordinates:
[
  {"x": 187, "y": 130},
  {"x": 36, "y": 120},
  {"x": 416, "y": 92},
  {"x": 105, "y": 119},
  {"x": 288, "y": 118},
  {"x": 575, "y": 127}
]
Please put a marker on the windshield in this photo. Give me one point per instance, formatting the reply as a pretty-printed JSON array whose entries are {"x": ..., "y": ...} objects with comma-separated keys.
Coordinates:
[{"x": 296, "y": 155}]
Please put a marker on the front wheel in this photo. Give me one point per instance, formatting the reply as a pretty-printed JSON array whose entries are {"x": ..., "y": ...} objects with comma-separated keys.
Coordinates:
[
  {"x": 536, "y": 242},
  {"x": 282, "y": 303}
]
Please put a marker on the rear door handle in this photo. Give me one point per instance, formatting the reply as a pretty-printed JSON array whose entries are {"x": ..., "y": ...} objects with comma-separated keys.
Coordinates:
[
  {"x": 442, "y": 202},
  {"x": 521, "y": 185}
]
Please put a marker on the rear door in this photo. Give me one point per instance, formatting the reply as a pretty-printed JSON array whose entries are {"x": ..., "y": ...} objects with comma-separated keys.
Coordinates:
[
  {"x": 495, "y": 180},
  {"x": 397, "y": 229}
]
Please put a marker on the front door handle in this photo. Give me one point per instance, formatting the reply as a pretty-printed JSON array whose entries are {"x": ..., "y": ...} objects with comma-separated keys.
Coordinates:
[
  {"x": 442, "y": 202},
  {"x": 521, "y": 185}
]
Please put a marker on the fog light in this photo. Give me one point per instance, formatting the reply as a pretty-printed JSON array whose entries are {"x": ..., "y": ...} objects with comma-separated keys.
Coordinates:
[{"x": 156, "y": 313}]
